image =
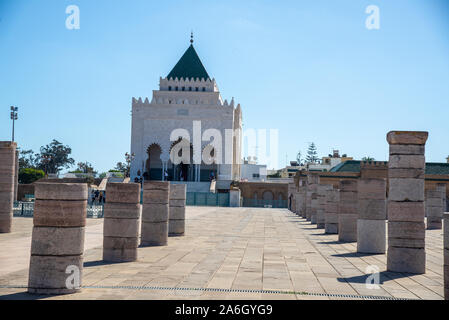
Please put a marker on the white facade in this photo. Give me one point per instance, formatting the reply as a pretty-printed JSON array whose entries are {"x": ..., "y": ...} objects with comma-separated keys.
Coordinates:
[
  {"x": 254, "y": 172},
  {"x": 194, "y": 106}
]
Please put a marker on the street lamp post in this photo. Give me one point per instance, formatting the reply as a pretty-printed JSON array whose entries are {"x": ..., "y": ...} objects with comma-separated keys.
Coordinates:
[{"x": 14, "y": 117}]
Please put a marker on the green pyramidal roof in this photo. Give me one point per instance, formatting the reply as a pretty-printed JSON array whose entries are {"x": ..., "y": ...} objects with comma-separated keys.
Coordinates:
[{"x": 189, "y": 66}]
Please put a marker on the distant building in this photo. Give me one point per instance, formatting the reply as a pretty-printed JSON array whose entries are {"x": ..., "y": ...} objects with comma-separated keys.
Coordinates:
[
  {"x": 329, "y": 162},
  {"x": 290, "y": 171},
  {"x": 187, "y": 95},
  {"x": 253, "y": 172}
]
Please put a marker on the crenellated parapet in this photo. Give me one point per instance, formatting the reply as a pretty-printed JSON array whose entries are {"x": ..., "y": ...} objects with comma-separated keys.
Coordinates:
[
  {"x": 188, "y": 85},
  {"x": 373, "y": 169}
]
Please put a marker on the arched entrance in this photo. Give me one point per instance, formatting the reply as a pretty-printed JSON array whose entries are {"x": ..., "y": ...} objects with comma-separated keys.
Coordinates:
[
  {"x": 180, "y": 166},
  {"x": 209, "y": 167},
  {"x": 153, "y": 167}
]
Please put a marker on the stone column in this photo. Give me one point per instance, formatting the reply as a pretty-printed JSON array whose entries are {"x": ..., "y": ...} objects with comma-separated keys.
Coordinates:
[
  {"x": 372, "y": 209},
  {"x": 57, "y": 244},
  {"x": 290, "y": 198},
  {"x": 155, "y": 213},
  {"x": 435, "y": 206},
  {"x": 313, "y": 179},
  {"x": 347, "y": 211},
  {"x": 331, "y": 211},
  {"x": 298, "y": 202},
  {"x": 322, "y": 190},
  {"x": 121, "y": 222},
  {"x": 177, "y": 215},
  {"x": 234, "y": 197},
  {"x": 16, "y": 176},
  {"x": 303, "y": 196},
  {"x": 7, "y": 172},
  {"x": 406, "y": 229},
  {"x": 446, "y": 255}
]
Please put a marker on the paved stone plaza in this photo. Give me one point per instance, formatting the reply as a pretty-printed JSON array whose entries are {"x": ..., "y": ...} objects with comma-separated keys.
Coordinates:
[{"x": 249, "y": 249}]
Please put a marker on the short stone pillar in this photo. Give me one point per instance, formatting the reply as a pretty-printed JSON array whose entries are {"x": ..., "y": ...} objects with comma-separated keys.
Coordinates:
[
  {"x": 57, "y": 244},
  {"x": 298, "y": 202},
  {"x": 16, "y": 175},
  {"x": 435, "y": 206},
  {"x": 291, "y": 202},
  {"x": 406, "y": 229},
  {"x": 155, "y": 213},
  {"x": 322, "y": 190},
  {"x": 7, "y": 173},
  {"x": 446, "y": 255},
  {"x": 302, "y": 196},
  {"x": 177, "y": 212},
  {"x": 313, "y": 179},
  {"x": 347, "y": 211},
  {"x": 331, "y": 211},
  {"x": 308, "y": 212},
  {"x": 234, "y": 197},
  {"x": 371, "y": 223},
  {"x": 121, "y": 225}
]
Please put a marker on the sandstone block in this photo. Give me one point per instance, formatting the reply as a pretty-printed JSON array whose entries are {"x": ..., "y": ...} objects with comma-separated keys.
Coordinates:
[
  {"x": 331, "y": 228},
  {"x": 406, "y": 230},
  {"x": 407, "y": 137},
  {"x": 406, "y": 243},
  {"x": 348, "y": 185},
  {"x": 177, "y": 203},
  {"x": 347, "y": 227},
  {"x": 60, "y": 191},
  {"x": 411, "y": 260},
  {"x": 123, "y": 192},
  {"x": 59, "y": 213},
  {"x": 6, "y": 223},
  {"x": 122, "y": 210},
  {"x": 154, "y": 233},
  {"x": 54, "y": 241},
  {"x": 178, "y": 191},
  {"x": 347, "y": 208},
  {"x": 406, "y": 190},
  {"x": 120, "y": 243},
  {"x": 372, "y": 189},
  {"x": 155, "y": 197},
  {"x": 348, "y": 197},
  {"x": 176, "y": 227},
  {"x": 177, "y": 213},
  {"x": 124, "y": 228},
  {"x": 406, "y": 173},
  {"x": 47, "y": 274},
  {"x": 156, "y": 185},
  {"x": 435, "y": 202},
  {"x": 372, "y": 209},
  {"x": 405, "y": 211},
  {"x": 371, "y": 236},
  {"x": 406, "y": 162},
  {"x": 407, "y": 149},
  {"x": 155, "y": 212}
]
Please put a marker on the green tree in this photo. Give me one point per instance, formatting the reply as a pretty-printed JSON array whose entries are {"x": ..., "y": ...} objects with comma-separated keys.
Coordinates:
[
  {"x": 312, "y": 155},
  {"x": 298, "y": 157},
  {"x": 368, "y": 158},
  {"x": 30, "y": 175},
  {"x": 54, "y": 156},
  {"x": 27, "y": 159},
  {"x": 119, "y": 167},
  {"x": 85, "y": 167}
]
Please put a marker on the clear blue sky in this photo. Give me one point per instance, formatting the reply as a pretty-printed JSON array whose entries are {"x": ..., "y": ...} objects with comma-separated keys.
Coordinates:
[{"x": 308, "y": 68}]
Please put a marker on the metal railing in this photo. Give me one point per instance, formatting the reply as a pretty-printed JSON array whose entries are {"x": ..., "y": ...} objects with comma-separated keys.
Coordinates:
[
  {"x": 26, "y": 209},
  {"x": 260, "y": 203}
]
